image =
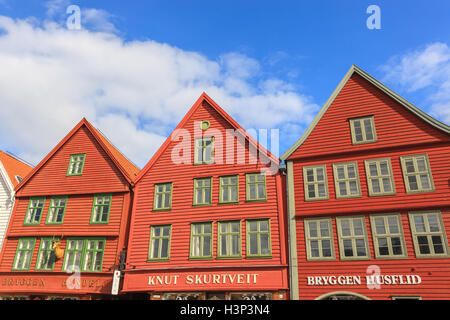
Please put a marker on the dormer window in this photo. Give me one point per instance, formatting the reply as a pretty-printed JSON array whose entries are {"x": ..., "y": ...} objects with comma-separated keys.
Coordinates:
[
  {"x": 363, "y": 130},
  {"x": 18, "y": 178}
]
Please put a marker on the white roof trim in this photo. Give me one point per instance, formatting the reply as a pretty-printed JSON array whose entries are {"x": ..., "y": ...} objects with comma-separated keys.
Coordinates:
[{"x": 421, "y": 114}]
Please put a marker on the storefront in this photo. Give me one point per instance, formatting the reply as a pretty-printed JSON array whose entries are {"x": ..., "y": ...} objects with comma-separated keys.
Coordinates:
[
  {"x": 54, "y": 287},
  {"x": 248, "y": 284}
]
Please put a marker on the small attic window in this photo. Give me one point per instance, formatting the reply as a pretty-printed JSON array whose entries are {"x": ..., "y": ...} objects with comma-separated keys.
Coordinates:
[
  {"x": 18, "y": 178},
  {"x": 363, "y": 130}
]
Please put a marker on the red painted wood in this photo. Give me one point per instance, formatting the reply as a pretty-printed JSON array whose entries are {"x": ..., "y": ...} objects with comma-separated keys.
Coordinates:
[
  {"x": 399, "y": 133},
  {"x": 103, "y": 172},
  {"x": 183, "y": 213}
]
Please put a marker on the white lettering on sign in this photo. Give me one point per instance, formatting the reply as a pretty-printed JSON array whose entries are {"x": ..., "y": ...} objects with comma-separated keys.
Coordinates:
[
  {"x": 370, "y": 280},
  {"x": 200, "y": 279}
]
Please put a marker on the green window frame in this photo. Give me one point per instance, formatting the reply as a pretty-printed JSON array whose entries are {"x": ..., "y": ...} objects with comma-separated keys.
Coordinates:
[
  {"x": 256, "y": 187},
  {"x": 101, "y": 207},
  {"x": 352, "y": 235},
  {"x": 204, "y": 150},
  {"x": 229, "y": 239},
  {"x": 258, "y": 239},
  {"x": 428, "y": 233},
  {"x": 24, "y": 254},
  {"x": 34, "y": 211},
  {"x": 163, "y": 196},
  {"x": 417, "y": 173},
  {"x": 76, "y": 164},
  {"x": 346, "y": 180},
  {"x": 315, "y": 182},
  {"x": 202, "y": 191},
  {"x": 56, "y": 210},
  {"x": 319, "y": 239},
  {"x": 229, "y": 189},
  {"x": 201, "y": 240},
  {"x": 46, "y": 256},
  {"x": 388, "y": 238},
  {"x": 159, "y": 245},
  {"x": 380, "y": 180},
  {"x": 84, "y": 254},
  {"x": 363, "y": 130}
]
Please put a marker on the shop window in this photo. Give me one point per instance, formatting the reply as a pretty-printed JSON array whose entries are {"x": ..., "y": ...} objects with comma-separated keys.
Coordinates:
[
  {"x": 380, "y": 180},
  {"x": 201, "y": 240},
  {"x": 387, "y": 232},
  {"x": 319, "y": 239},
  {"x": 202, "y": 191},
  {"x": 346, "y": 179},
  {"x": 215, "y": 296},
  {"x": 159, "y": 248},
  {"x": 84, "y": 254},
  {"x": 363, "y": 130},
  {"x": 24, "y": 254},
  {"x": 204, "y": 150},
  {"x": 229, "y": 239},
  {"x": 34, "y": 212},
  {"x": 76, "y": 164},
  {"x": 182, "y": 296},
  {"x": 256, "y": 187},
  {"x": 353, "y": 244},
  {"x": 250, "y": 296},
  {"x": 315, "y": 182},
  {"x": 258, "y": 239},
  {"x": 229, "y": 189},
  {"x": 417, "y": 173},
  {"x": 14, "y": 298},
  {"x": 56, "y": 210},
  {"x": 163, "y": 196},
  {"x": 428, "y": 234},
  {"x": 46, "y": 256},
  {"x": 101, "y": 207}
]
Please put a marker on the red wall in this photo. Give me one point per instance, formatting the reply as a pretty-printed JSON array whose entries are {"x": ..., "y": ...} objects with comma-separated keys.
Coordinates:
[
  {"x": 399, "y": 132},
  {"x": 183, "y": 213}
]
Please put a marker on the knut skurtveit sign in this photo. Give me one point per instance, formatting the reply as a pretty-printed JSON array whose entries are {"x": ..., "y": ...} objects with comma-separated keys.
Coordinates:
[
  {"x": 199, "y": 279},
  {"x": 358, "y": 280}
]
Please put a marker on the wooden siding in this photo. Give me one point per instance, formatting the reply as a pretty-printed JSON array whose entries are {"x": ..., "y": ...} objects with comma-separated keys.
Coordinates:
[
  {"x": 439, "y": 163},
  {"x": 399, "y": 132},
  {"x": 76, "y": 220},
  {"x": 6, "y": 204},
  {"x": 394, "y": 124},
  {"x": 434, "y": 272},
  {"x": 110, "y": 257},
  {"x": 183, "y": 213},
  {"x": 99, "y": 173}
]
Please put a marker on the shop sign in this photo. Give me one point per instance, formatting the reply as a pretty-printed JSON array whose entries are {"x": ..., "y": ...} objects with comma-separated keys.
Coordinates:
[
  {"x": 369, "y": 280},
  {"x": 201, "y": 279},
  {"x": 23, "y": 282}
]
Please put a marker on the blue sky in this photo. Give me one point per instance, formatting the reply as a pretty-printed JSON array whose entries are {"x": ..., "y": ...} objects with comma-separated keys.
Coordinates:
[{"x": 291, "y": 51}]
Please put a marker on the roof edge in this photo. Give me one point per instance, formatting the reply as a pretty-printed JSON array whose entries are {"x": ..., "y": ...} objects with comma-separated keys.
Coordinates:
[{"x": 402, "y": 101}]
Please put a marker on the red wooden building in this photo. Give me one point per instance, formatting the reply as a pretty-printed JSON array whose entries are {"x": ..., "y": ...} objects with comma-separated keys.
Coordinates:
[
  {"x": 78, "y": 200},
  {"x": 369, "y": 198},
  {"x": 208, "y": 219}
]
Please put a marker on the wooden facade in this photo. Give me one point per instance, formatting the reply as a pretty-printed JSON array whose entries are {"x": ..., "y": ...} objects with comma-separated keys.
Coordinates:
[
  {"x": 12, "y": 171},
  {"x": 177, "y": 273},
  {"x": 83, "y": 204},
  {"x": 407, "y": 255}
]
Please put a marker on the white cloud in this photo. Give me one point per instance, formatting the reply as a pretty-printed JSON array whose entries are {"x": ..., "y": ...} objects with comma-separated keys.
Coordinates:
[
  {"x": 133, "y": 91},
  {"x": 427, "y": 69}
]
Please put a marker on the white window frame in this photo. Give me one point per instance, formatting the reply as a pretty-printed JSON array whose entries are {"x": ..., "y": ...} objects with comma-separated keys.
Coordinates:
[
  {"x": 306, "y": 183},
  {"x": 352, "y": 237},
  {"x": 417, "y": 173},
  {"x": 380, "y": 177},
  {"x": 346, "y": 180},
  {"x": 363, "y": 130},
  {"x": 389, "y": 235}
]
